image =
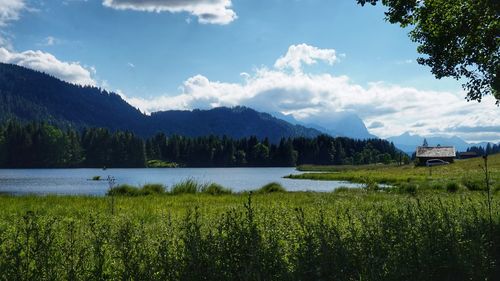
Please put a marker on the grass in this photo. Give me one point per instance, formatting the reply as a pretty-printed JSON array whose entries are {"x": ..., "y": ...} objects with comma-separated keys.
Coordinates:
[
  {"x": 355, "y": 234},
  {"x": 189, "y": 186},
  {"x": 161, "y": 164},
  {"x": 272, "y": 187},
  {"x": 469, "y": 172},
  {"x": 129, "y": 190},
  {"x": 215, "y": 189}
]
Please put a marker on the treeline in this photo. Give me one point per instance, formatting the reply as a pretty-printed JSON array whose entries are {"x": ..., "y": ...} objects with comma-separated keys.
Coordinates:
[
  {"x": 43, "y": 145},
  {"x": 488, "y": 150}
]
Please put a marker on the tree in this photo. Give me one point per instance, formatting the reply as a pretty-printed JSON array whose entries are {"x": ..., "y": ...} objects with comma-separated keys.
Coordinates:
[{"x": 458, "y": 39}]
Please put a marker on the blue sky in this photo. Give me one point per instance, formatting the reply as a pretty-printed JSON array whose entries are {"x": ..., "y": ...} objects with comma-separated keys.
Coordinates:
[{"x": 164, "y": 54}]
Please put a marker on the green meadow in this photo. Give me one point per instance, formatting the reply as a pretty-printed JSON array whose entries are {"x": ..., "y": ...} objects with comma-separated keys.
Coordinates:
[
  {"x": 468, "y": 174},
  {"x": 345, "y": 235}
]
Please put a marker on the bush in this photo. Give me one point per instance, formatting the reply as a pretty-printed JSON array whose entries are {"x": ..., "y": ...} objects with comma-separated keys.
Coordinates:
[
  {"x": 473, "y": 185},
  {"x": 271, "y": 188},
  {"x": 341, "y": 189},
  {"x": 124, "y": 190},
  {"x": 186, "y": 187},
  {"x": 215, "y": 189},
  {"x": 452, "y": 187},
  {"x": 129, "y": 190},
  {"x": 96, "y": 178},
  {"x": 409, "y": 188},
  {"x": 371, "y": 185},
  {"x": 153, "y": 188},
  {"x": 437, "y": 186}
]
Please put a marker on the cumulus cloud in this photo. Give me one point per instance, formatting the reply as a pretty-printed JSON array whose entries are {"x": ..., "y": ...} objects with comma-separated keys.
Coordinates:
[
  {"x": 298, "y": 55},
  {"x": 71, "y": 72},
  {"x": 309, "y": 96},
  {"x": 207, "y": 11},
  {"x": 10, "y": 10}
]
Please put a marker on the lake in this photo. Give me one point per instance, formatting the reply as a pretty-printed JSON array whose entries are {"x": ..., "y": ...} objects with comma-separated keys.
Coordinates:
[{"x": 78, "y": 181}]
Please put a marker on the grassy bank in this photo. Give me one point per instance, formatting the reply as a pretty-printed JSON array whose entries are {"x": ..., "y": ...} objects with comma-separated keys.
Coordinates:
[
  {"x": 468, "y": 173},
  {"x": 345, "y": 235}
]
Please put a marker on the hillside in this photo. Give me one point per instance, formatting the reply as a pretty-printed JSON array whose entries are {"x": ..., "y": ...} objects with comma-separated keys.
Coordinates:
[{"x": 28, "y": 95}]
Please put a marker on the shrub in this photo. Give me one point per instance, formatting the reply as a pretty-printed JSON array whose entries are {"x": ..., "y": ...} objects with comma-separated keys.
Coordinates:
[
  {"x": 96, "y": 178},
  {"x": 409, "y": 188},
  {"x": 341, "y": 189},
  {"x": 437, "y": 186},
  {"x": 271, "y": 188},
  {"x": 215, "y": 189},
  {"x": 473, "y": 185},
  {"x": 452, "y": 187},
  {"x": 371, "y": 185},
  {"x": 186, "y": 187},
  {"x": 124, "y": 190},
  {"x": 153, "y": 188}
]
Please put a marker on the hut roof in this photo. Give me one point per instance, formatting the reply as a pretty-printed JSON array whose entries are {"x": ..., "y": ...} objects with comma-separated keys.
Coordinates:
[{"x": 436, "y": 151}]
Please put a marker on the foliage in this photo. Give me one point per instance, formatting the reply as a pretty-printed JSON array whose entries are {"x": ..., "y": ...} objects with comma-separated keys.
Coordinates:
[
  {"x": 129, "y": 190},
  {"x": 452, "y": 187},
  {"x": 458, "y": 38},
  {"x": 188, "y": 186},
  {"x": 473, "y": 184},
  {"x": 41, "y": 145},
  {"x": 488, "y": 150},
  {"x": 215, "y": 189},
  {"x": 96, "y": 178},
  {"x": 271, "y": 188},
  {"x": 124, "y": 190},
  {"x": 161, "y": 164},
  {"x": 287, "y": 236},
  {"x": 153, "y": 188}
]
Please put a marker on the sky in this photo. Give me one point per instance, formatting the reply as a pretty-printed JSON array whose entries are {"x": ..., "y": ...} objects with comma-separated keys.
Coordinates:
[{"x": 307, "y": 58}]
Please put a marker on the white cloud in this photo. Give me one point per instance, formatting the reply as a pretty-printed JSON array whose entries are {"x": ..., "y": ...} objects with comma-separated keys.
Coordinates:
[
  {"x": 207, "y": 11},
  {"x": 298, "y": 55},
  {"x": 10, "y": 10},
  {"x": 71, "y": 72},
  {"x": 390, "y": 109}
]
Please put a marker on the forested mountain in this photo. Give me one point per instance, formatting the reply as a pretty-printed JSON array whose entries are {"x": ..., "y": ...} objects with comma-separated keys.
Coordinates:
[
  {"x": 237, "y": 122},
  {"x": 28, "y": 95}
]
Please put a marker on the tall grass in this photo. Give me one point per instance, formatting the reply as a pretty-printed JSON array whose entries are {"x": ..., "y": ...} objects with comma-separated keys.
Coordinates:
[
  {"x": 129, "y": 190},
  {"x": 272, "y": 187},
  {"x": 282, "y": 236}
]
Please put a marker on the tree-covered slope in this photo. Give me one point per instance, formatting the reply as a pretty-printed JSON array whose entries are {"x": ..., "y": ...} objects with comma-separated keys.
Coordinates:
[
  {"x": 237, "y": 122},
  {"x": 28, "y": 95}
]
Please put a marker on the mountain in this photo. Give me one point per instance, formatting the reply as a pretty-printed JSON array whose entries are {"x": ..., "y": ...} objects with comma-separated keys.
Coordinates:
[
  {"x": 344, "y": 124},
  {"x": 28, "y": 95},
  {"x": 408, "y": 142},
  {"x": 238, "y": 122}
]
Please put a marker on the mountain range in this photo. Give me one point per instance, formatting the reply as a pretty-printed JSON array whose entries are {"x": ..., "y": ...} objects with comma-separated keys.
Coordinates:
[
  {"x": 408, "y": 142},
  {"x": 343, "y": 124},
  {"x": 29, "y": 95}
]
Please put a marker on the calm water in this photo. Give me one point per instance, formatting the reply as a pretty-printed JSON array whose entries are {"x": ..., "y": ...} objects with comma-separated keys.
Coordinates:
[{"x": 77, "y": 181}]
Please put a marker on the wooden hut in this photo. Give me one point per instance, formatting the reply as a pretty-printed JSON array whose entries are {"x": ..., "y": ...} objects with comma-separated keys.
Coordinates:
[{"x": 445, "y": 153}]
